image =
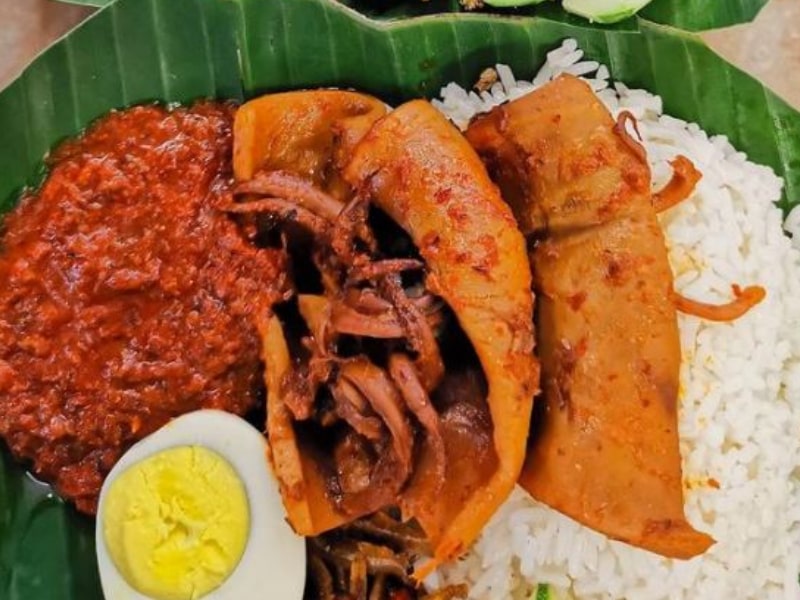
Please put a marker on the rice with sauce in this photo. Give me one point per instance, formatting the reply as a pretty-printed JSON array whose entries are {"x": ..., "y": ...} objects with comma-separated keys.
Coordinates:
[{"x": 740, "y": 386}]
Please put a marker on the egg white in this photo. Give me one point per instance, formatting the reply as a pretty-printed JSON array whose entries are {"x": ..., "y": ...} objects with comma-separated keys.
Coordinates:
[{"x": 273, "y": 564}]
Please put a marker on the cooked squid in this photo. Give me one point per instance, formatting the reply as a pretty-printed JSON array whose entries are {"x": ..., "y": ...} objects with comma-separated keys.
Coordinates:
[
  {"x": 306, "y": 134},
  {"x": 422, "y": 173},
  {"x": 606, "y": 451},
  {"x": 411, "y": 382}
]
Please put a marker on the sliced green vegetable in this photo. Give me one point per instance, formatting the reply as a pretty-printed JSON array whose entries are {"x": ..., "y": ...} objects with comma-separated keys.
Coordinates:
[
  {"x": 605, "y": 11},
  {"x": 596, "y": 11},
  {"x": 691, "y": 15}
]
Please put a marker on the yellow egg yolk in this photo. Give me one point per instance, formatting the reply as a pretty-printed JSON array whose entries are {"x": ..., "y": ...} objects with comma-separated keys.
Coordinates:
[{"x": 176, "y": 523}]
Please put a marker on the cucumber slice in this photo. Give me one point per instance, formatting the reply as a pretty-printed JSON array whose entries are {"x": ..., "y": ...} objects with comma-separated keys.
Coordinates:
[{"x": 605, "y": 11}]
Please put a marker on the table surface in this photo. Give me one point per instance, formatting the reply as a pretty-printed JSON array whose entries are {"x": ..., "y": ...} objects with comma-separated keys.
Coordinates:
[{"x": 768, "y": 48}]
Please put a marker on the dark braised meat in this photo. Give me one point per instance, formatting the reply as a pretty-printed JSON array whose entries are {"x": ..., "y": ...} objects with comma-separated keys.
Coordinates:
[
  {"x": 402, "y": 375},
  {"x": 380, "y": 387},
  {"x": 127, "y": 297},
  {"x": 370, "y": 559}
]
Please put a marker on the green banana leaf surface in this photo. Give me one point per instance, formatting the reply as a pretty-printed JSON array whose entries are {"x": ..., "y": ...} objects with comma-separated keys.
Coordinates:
[
  {"x": 692, "y": 15},
  {"x": 697, "y": 15},
  {"x": 137, "y": 51}
]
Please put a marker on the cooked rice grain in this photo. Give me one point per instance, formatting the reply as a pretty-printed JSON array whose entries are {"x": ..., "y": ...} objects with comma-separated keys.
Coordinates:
[{"x": 740, "y": 385}]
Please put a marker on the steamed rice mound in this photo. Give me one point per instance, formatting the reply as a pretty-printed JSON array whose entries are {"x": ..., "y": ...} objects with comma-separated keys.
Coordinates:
[{"x": 740, "y": 386}]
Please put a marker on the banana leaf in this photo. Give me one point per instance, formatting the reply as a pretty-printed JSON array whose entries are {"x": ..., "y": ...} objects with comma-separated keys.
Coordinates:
[
  {"x": 137, "y": 51},
  {"x": 698, "y": 15},
  {"x": 88, "y": 2},
  {"x": 691, "y": 15}
]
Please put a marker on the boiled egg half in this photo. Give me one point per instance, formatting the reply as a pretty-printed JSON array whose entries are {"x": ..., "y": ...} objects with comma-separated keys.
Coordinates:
[{"x": 192, "y": 511}]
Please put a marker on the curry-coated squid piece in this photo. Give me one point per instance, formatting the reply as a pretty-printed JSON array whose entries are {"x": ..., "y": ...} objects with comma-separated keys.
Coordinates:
[
  {"x": 289, "y": 150},
  {"x": 409, "y": 383},
  {"x": 417, "y": 168},
  {"x": 606, "y": 451}
]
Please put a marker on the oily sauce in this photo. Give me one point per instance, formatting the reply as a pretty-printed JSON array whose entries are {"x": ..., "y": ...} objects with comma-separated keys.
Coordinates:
[{"x": 127, "y": 296}]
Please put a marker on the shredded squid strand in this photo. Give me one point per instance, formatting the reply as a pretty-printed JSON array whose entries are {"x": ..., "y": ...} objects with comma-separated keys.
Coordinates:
[
  {"x": 684, "y": 180},
  {"x": 745, "y": 299}
]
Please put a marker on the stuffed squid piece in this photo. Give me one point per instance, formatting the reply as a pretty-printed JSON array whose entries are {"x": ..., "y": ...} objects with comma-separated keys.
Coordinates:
[
  {"x": 606, "y": 452},
  {"x": 417, "y": 168},
  {"x": 307, "y": 133},
  {"x": 289, "y": 150},
  {"x": 403, "y": 376}
]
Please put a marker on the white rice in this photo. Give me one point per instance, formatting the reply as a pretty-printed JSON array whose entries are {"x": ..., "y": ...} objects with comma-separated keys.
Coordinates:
[{"x": 740, "y": 386}]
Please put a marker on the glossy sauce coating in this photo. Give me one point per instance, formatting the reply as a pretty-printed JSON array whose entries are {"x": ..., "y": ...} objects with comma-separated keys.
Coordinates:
[
  {"x": 606, "y": 453},
  {"x": 418, "y": 169},
  {"x": 127, "y": 297}
]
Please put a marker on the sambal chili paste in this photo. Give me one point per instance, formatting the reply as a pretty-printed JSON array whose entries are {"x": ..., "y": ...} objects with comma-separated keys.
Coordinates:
[{"x": 126, "y": 296}]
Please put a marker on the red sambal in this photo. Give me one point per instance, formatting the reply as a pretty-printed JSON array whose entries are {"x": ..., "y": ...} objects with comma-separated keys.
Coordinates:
[{"x": 127, "y": 298}]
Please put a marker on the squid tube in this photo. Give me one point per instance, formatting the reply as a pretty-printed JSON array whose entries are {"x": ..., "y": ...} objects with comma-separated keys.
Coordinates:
[
  {"x": 442, "y": 439},
  {"x": 606, "y": 450}
]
